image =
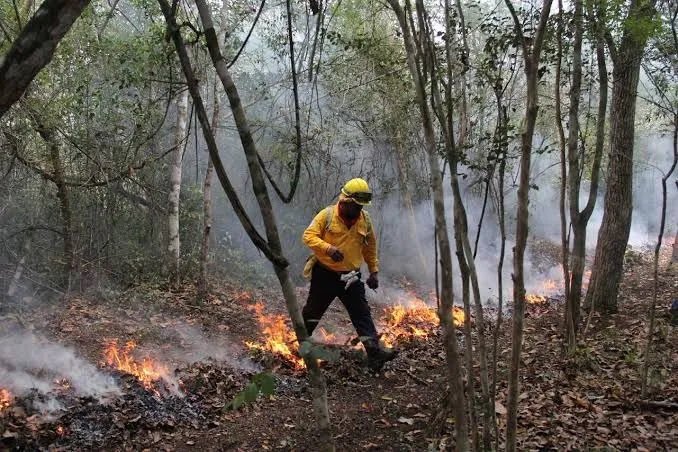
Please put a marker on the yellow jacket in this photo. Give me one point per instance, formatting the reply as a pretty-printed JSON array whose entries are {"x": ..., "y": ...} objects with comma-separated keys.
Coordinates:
[{"x": 358, "y": 244}]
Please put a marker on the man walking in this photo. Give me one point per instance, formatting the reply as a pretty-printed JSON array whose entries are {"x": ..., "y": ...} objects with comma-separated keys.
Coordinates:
[{"x": 342, "y": 238}]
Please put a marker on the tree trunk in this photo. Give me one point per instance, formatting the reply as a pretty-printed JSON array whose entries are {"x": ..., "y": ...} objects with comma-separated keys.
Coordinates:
[
  {"x": 408, "y": 205},
  {"x": 272, "y": 248},
  {"x": 655, "y": 287},
  {"x": 174, "y": 245},
  {"x": 531, "y": 56},
  {"x": 446, "y": 292},
  {"x": 502, "y": 121},
  {"x": 14, "y": 283},
  {"x": 34, "y": 47},
  {"x": 64, "y": 203},
  {"x": 574, "y": 181},
  {"x": 203, "y": 284},
  {"x": 468, "y": 337},
  {"x": 614, "y": 231}
]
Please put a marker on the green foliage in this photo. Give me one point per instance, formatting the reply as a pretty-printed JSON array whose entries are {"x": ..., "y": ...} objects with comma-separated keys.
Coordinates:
[{"x": 261, "y": 384}]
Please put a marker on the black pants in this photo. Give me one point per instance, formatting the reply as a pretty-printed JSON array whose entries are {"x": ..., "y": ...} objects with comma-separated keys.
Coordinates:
[{"x": 326, "y": 285}]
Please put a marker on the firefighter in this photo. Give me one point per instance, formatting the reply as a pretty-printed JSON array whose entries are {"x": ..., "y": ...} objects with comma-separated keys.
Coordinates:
[{"x": 342, "y": 237}]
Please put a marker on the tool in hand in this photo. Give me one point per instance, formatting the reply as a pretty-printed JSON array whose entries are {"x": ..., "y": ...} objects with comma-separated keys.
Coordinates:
[{"x": 350, "y": 277}]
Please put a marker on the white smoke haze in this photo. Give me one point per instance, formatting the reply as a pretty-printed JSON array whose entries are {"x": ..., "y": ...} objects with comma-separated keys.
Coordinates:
[
  {"x": 30, "y": 362},
  {"x": 196, "y": 346},
  {"x": 408, "y": 253}
]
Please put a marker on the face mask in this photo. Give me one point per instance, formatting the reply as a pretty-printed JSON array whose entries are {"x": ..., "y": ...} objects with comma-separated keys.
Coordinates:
[{"x": 351, "y": 210}]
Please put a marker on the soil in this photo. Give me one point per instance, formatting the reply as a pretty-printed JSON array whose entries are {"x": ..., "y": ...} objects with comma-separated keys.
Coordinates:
[{"x": 588, "y": 400}]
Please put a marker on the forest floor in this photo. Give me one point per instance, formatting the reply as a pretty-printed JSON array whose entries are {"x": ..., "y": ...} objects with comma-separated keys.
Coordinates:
[{"x": 590, "y": 400}]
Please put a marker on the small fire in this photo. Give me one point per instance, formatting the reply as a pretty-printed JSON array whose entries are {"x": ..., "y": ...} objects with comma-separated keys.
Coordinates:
[
  {"x": 550, "y": 286},
  {"x": 147, "y": 371},
  {"x": 61, "y": 430},
  {"x": 411, "y": 319},
  {"x": 535, "y": 299},
  {"x": 279, "y": 339},
  {"x": 5, "y": 399}
]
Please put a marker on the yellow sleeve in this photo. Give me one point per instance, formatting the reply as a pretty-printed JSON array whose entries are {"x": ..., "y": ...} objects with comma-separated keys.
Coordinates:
[
  {"x": 313, "y": 233},
  {"x": 370, "y": 252}
]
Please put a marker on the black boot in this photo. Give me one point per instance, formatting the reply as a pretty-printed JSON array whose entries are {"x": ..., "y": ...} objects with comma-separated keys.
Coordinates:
[{"x": 377, "y": 355}]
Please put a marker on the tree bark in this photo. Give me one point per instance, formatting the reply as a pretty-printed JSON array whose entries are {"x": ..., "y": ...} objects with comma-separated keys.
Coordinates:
[
  {"x": 174, "y": 245},
  {"x": 614, "y": 231},
  {"x": 531, "y": 56},
  {"x": 64, "y": 202},
  {"x": 446, "y": 292},
  {"x": 574, "y": 179},
  {"x": 655, "y": 287},
  {"x": 203, "y": 283},
  {"x": 34, "y": 48},
  {"x": 14, "y": 283},
  {"x": 272, "y": 248}
]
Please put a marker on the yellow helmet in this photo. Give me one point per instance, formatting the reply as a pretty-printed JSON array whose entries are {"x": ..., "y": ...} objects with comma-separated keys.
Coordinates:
[{"x": 358, "y": 190}]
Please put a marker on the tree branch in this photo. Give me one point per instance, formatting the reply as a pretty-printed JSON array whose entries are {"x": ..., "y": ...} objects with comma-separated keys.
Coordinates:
[{"x": 34, "y": 48}]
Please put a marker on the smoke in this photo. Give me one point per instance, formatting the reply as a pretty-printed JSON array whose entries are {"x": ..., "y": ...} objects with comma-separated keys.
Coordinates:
[
  {"x": 198, "y": 347},
  {"x": 28, "y": 361}
]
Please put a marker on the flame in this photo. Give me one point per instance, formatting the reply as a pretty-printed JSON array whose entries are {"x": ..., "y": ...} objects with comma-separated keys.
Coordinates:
[
  {"x": 535, "y": 299},
  {"x": 60, "y": 430},
  {"x": 5, "y": 399},
  {"x": 279, "y": 339},
  {"x": 413, "y": 318},
  {"x": 147, "y": 371},
  {"x": 551, "y": 286}
]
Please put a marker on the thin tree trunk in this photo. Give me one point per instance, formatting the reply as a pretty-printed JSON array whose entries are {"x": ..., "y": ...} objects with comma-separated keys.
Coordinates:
[
  {"x": 564, "y": 243},
  {"x": 34, "y": 47},
  {"x": 655, "y": 287},
  {"x": 14, "y": 283},
  {"x": 574, "y": 181},
  {"x": 446, "y": 292},
  {"x": 614, "y": 231},
  {"x": 272, "y": 247},
  {"x": 403, "y": 175},
  {"x": 203, "y": 284},
  {"x": 468, "y": 252},
  {"x": 531, "y": 56},
  {"x": 174, "y": 245},
  {"x": 64, "y": 202},
  {"x": 579, "y": 228},
  {"x": 500, "y": 264},
  {"x": 468, "y": 337}
]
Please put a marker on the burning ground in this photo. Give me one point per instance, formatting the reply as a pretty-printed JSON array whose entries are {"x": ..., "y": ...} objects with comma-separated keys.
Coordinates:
[{"x": 150, "y": 369}]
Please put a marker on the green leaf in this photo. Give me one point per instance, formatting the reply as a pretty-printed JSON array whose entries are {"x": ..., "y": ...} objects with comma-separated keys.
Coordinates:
[
  {"x": 251, "y": 392},
  {"x": 266, "y": 384}
]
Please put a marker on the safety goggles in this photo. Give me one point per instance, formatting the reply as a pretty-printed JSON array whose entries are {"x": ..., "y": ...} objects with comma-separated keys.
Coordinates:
[{"x": 361, "y": 197}]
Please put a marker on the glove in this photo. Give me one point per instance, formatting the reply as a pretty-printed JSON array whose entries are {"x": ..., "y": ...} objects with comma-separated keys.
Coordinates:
[
  {"x": 373, "y": 281},
  {"x": 335, "y": 254}
]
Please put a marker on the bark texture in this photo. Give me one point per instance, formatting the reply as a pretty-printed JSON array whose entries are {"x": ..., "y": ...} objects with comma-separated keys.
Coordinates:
[
  {"x": 531, "y": 55},
  {"x": 271, "y": 247},
  {"x": 34, "y": 48},
  {"x": 614, "y": 231},
  {"x": 174, "y": 245}
]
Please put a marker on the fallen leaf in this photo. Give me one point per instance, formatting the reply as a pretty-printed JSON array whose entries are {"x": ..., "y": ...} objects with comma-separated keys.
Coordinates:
[{"x": 499, "y": 408}]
